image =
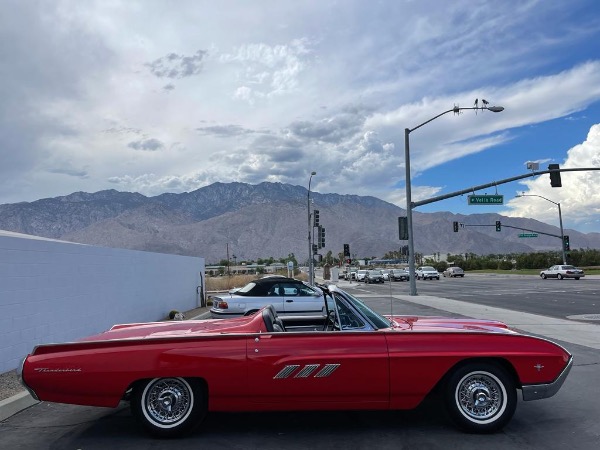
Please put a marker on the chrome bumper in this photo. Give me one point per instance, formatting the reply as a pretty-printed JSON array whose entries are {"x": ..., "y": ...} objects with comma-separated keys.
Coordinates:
[
  {"x": 20, "y": 374},
  {"x": 539, "y": 391}
]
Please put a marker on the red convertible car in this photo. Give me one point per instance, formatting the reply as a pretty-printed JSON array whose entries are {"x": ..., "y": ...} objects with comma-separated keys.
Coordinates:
[{"x": 173, "y": 373}]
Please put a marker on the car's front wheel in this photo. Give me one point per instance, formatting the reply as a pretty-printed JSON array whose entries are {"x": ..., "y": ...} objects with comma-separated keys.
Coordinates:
[
  {"x": 543, "y": 275},
  {"x": 169, "y": 407},
  {"x": 480, "y": 397}
]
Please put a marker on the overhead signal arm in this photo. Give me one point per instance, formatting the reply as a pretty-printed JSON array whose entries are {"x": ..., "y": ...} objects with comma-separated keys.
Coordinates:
[
  {"x": 495, "y": 183},
  {"x": 515, "y": 228}
]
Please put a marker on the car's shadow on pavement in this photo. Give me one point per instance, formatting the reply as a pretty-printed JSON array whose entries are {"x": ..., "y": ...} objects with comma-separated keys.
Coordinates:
[{"x": 276, "y": 430}]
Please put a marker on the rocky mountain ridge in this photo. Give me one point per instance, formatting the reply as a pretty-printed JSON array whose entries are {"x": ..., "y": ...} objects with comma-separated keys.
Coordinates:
[{"x": 268, "y": 219}]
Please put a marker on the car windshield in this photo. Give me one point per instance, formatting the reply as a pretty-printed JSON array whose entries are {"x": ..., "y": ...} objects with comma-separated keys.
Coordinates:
[
  {"x": 429, "y": 269},
  {"x": 376, "y": 319},
  {"x": 568, "y": 268},
  {"x": 376, "y": 272}
]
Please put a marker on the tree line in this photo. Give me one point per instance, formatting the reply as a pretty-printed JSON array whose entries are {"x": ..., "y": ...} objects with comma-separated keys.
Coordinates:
[
  {"x": 537, "y": 260},
  {"x": 467, "y": 261}
]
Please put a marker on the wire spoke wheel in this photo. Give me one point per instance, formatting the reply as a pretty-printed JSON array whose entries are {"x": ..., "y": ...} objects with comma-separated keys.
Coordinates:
[
  {"x": 480, "y": 397},
  {"x": 168, "y": 400},
  {"x": 168, "y": 407}
]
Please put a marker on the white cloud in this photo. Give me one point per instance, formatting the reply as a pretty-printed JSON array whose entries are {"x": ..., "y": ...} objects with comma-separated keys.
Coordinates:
[
  {"x": 579, "y": 195},
  {"x": 247, "y": 92}
]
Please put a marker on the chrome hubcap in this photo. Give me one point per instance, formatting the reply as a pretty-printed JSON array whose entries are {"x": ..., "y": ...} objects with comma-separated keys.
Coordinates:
[
  {"x": 168, "y": 400},
  {"x": 479, "y": 396}
]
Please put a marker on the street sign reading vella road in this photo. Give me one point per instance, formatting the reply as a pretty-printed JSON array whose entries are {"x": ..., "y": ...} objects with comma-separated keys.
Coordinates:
[{"x": 485, "y": 199}]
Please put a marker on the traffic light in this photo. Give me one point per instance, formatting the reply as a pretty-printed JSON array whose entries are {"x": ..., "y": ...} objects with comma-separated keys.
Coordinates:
[
  {"x": 554, "y": 176},
  {"x": 315, "y": 249},
  {"x": 346, "y": 250},
  {"x": 498, "y": 226},
  {"x": 455, "y": 226},
  {"x": 403, "y": 228},
  {"x": 348, "y": 260},
  {"x": 566, "y": 244},
  {"x": 321, "y": 236},
  {"x": 316, "y": 215}
]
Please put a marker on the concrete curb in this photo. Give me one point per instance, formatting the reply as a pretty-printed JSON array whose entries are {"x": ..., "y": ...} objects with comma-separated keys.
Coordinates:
[{"x": 16, "y": 403}]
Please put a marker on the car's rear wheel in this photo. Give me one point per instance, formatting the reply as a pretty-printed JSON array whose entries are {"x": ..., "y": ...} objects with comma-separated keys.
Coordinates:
[
  {"x": 577, "y": 278},
  {"x": 559, "y": 276},
  {"x": 480, "y": 397},
  {"x": 169, "y": 407}
]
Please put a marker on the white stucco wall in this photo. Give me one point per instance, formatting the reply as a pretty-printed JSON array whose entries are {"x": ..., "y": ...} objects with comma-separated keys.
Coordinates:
[{"x": 55, "y": 291}]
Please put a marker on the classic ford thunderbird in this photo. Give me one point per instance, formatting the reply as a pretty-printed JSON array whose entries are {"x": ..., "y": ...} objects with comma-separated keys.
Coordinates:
[{"x": 353, "y": 358}]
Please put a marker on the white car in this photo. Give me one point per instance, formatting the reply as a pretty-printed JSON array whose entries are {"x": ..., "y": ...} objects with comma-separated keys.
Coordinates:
[
  {"x": 360, "y": 275},
  {"x": 289, "y": 297},
  {"x": 561, "y": 271},
  {"x": 426, "y": 273}
]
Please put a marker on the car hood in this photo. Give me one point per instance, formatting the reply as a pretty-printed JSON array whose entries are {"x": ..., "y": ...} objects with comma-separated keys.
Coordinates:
[{"x": 435, "y": 323}]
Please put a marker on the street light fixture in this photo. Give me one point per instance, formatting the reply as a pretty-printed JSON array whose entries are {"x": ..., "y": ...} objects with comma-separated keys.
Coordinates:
[
  {"x": 562, "y": 234},
  {"x": 311, "y": 275},
  {"x": 409, "y": 203}
]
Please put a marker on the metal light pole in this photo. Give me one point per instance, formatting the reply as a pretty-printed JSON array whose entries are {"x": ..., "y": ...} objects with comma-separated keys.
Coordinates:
[
  {"x": 409, "y": 203},
  {"x": 562, "y": 234},
  {"x": 311, "y": 274}
]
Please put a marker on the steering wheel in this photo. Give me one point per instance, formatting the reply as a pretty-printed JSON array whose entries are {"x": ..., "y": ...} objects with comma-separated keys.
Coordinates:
[{"x": 331, "y": 322}]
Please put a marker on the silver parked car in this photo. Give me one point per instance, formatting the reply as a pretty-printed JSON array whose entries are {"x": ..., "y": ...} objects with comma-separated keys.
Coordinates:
[
  {"x": 561, "y": 271},
  {"x": 453, "y": 272},
  {"x": 289, "y": 297}
]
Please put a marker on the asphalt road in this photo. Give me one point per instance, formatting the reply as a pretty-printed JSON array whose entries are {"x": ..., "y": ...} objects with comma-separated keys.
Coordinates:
[
  {"x": 525, "y": 293},
  {"x": 569, "y": 419}
]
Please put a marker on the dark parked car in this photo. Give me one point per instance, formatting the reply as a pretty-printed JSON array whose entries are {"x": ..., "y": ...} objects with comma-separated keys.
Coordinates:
[
  {"x": 374, "y": 276},
  {"x": 399, "y": 275}
]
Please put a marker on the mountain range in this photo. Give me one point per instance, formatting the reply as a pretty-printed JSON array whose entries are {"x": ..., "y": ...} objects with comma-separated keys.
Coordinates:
[{"x": 264, "y": 220}]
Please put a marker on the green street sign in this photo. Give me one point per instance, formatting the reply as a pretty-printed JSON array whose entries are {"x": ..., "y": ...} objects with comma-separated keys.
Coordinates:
[
  {"x": 485, "y": 199},
  {"x": 526, "y": 235}
]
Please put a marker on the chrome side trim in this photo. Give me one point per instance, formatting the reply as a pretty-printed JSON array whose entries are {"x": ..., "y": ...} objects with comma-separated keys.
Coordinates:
[
  {"x": 327, "y": 370},
  {"x": 307, "y": 370},
  {"x": 539, "y": 391},
  {"x": 286, "y": 371}
]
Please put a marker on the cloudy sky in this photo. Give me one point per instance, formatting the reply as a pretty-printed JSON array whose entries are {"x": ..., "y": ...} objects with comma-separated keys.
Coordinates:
[{"x": 170, "y": 96}]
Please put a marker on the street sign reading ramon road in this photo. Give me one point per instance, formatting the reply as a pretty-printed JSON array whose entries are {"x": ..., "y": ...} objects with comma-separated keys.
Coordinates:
[
  {"x": 485, "y": 199},
  {"x": 524, "y": 235}
]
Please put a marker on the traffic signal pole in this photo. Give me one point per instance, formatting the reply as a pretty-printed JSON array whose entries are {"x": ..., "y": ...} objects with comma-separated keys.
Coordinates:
[{"x": 496, "y": 183}]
